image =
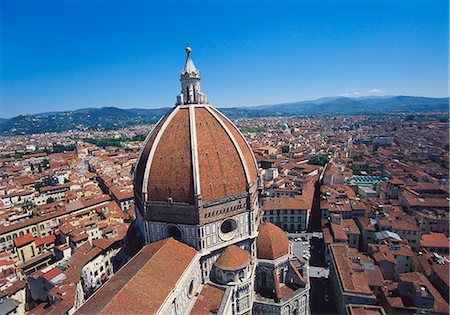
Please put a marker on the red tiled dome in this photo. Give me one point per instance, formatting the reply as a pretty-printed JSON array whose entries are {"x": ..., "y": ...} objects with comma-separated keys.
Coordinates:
[
  {"x": 194, "y": 151},
  {"x": 272, "y": 242},
  {"x": 233, "y": 258}
]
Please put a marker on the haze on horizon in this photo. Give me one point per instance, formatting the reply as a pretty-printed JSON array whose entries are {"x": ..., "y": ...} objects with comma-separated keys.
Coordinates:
[{"x": 58, "y": 56}]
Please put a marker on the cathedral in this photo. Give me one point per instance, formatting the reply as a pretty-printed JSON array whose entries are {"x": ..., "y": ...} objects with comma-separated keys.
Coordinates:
[{"x": 198, "y": 200}]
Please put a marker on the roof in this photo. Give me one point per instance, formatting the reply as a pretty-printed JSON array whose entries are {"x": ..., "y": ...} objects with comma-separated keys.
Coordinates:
[
  {"x": 45, "y": 240},
  {"x": 7, "y": 306},
  {"x": 272, "y": 242},
  {"x": 387, "y": 234},
  {"x": 208, "y": 301},
  {"x": 146, "y": 280},
  {"x": 23, "y": 240},
  {"x": 356, "y": 271},
  {"x": 233, "y": 258},
  {"x": 438, "y": 240},
  {"x": 189, "y": 66},
  {"x": 361, "y": 309},
  {"x": 397, "y": 299},
  {"x": 52, "y": 274},
  {"x": 194, "y": 150},
  {"x": 286, "y": 203}
]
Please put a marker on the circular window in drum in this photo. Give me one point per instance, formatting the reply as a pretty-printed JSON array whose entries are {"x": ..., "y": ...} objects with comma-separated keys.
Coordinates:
[{"x": 228, "y": 229}]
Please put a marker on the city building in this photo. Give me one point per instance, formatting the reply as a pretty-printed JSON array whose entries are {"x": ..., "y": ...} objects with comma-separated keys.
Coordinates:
[
  {"x": 355, "y": 279},
  {"x": 412, "y": 294}
]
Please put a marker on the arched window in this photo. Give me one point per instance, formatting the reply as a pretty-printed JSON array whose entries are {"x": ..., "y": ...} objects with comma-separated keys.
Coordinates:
[
  {"x": 191, "y": 289},
  {"x": 173, "y": 231}
]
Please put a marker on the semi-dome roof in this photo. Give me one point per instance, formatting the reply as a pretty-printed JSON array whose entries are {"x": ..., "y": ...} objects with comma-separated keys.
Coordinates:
[
  {"x": 233, "y": 258},
  {"x": 272, "y": 242},
  {"x": 194, "y": 152}
]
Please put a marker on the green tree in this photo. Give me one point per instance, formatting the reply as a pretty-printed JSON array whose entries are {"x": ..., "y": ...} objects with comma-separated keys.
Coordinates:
[
  {"x": 321, "y": 160},
  {"x": 50, "y": 200},
  {"x": 38, "y": 185},
  {"x": 45, "y": 163}
]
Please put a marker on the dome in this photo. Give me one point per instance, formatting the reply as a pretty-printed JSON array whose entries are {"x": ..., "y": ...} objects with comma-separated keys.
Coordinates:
[
  {"x": 195, "y": 166},
  {"x": 233, "y": 258},
  {"x": 194, "y": 152},
  {"x": 272, "y": 242}
]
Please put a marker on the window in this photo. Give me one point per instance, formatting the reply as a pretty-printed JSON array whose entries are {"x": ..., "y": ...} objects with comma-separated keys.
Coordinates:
[
  {"x": 228, "y": 229},
  {"x": 191, "y": 290},
  {"x": 173, "y": 231}
]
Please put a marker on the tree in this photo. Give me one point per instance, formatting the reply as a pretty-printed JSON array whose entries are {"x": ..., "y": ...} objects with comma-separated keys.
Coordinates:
[
  {"x": 318, "y": 160},
  {"x": 50, "y": 200},
  {"x": 38, "y": 185},
  {"x": 45, "y": 163}
]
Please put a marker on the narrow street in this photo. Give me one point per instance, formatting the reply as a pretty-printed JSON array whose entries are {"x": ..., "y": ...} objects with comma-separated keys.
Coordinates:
[{"x": 320, "y": 294}]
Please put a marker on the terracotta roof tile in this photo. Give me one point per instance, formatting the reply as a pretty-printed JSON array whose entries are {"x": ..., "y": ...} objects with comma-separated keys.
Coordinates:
[
  {"x": 233, "y": 258},
  {"x": 23, "y": 240},
  {"x": 439, "y": 240},
  {"x": 146, "y": 281},
  {"x": 171, "y": 170},
  {"x": 221, "y": 170},
  {"x": 272, "y": 242},
  {"x": 208, "y": 301}
]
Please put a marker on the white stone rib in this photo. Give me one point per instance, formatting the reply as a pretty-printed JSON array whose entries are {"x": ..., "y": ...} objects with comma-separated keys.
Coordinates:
[
  {"x": 236, "y": 145},
  {"x": 248, "y": 146},
  {"x": 154, "y": 146},
  {"x": 194, "y": 151},
  {"x": 145, "y": 142}
]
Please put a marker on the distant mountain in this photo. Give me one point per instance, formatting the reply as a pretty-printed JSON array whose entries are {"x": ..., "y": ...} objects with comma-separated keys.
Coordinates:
[
  {"x": 107, "y": 118},
  {"x": 362, "y": 105},
  {"x": 150, "y": 112},
  {"x": 2, "y": 120},
  {"x": 110, "y": 112}
]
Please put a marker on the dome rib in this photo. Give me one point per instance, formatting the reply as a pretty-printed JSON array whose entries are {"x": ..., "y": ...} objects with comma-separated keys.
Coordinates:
[
  {"x": 170, "y": 172},
  {"x": 145, "y": 152},
  {"x": 194, "y": 152},
  {"x": 233, "y": 139},
  {"x": 154, "y": 145},
  {"x": 221, "y": 172},
  {"x": 242, "y": 143}
]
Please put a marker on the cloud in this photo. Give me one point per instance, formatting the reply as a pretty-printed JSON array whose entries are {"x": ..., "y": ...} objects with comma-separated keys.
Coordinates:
[
  {"x": 356, "y": 93},
  {"x": 375, "y": 91}
]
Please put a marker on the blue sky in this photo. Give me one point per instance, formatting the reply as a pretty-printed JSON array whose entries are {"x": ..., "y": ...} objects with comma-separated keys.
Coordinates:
[{"x": 60, "y": 55}]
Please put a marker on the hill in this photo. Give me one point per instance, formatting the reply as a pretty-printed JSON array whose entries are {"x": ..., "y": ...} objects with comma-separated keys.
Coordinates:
[{"x": 107, "y": 118}]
